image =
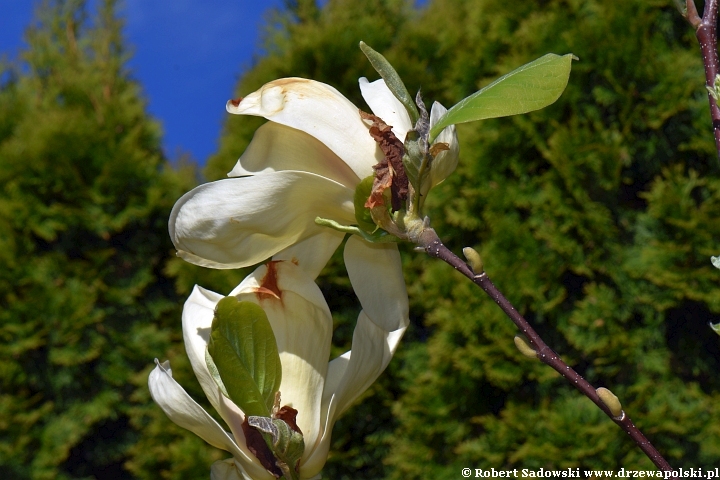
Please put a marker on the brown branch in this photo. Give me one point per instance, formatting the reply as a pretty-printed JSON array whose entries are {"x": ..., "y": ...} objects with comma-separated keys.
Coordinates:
[
  {"x": 432, "y": 245},
  {"x": 706, "y": 33}
]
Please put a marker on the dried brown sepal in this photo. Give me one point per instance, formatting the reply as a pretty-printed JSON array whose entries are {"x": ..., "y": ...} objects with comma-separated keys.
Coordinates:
[
  {"x": 288, "y": 415},
  {"x": 389, "y": 173},
  {"x": 438, "y": 147},
  {"x": 256, "y": 444}
]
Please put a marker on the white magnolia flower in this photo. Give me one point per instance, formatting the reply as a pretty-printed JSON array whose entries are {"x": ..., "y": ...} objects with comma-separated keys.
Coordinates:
[
  {"x": 302, "y": 324},
  {"x": 304, "y": 163}
]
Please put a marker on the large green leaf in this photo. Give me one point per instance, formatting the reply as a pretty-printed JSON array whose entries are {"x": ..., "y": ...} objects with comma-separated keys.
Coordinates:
[
  {"x": 533, "y": 86},
  {"x": 245, "y": 356}
]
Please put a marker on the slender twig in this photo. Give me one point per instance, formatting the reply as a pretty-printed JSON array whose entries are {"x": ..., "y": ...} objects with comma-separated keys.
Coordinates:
[
  {"x": 706, "y": 33},
  {"x": 432, "y": 245}
]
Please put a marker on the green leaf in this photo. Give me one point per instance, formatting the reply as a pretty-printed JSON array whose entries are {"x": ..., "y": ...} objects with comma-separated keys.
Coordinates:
[
  {"x": 362, "y": 214},
  {"x": 531, "y": 87},
  {"x": 392, "y": 80},
  {"x": 245, "y": 355}
]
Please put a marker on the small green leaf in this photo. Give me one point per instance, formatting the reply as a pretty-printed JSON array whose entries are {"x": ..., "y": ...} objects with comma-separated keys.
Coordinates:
[
  {"x": 362, "y": 214},
  {"x": 245, "y": 356},
  {"x": 392, "y": 80},
  {"x": 531, "y": 87}
]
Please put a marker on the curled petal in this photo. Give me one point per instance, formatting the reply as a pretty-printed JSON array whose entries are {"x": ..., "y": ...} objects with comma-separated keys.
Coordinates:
[
  {"x": 239, "y": 222},
  {"x": 350, "y": 375},
  {"x": 185, "y": 412},
  {"x": 319, "y": 110},
  {"x": 197, "y": 318},
  {"x": 276, "y": 148},
  {"x": 302, "y": 324},
  {"x": 446, "y": 161},
  {"x": 375, "y": 271},
  {"x": 384, "y": 104}
]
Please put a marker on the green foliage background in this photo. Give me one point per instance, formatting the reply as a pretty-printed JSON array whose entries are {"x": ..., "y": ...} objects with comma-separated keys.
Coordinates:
[{"x": 596, "y": 216}]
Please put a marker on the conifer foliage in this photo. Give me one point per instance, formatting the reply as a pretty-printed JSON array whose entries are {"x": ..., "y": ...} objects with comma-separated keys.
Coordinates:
[
  {"x": 596, "y": 217},
  {"x": 84, "y": 302}
]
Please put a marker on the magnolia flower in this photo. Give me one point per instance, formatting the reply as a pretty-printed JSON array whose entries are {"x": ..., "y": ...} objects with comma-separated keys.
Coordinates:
[
  {"x": 302, "y": 324},
  {"x": 306, "y": 162}
]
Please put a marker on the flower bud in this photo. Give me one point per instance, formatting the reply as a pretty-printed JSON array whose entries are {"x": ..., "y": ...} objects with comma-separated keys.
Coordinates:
[
  {"x": 523, "y": 345},
  {"x": 474, "y": 260},
  {"x": 611, "y": 401}
]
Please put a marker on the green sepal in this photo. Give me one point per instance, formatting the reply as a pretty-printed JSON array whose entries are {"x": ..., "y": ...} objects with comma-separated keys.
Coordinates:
[
  {"x": 414, "y": 161},
  {"x": 531, "y": 87},
  {"x": 362, "y": 213},
  {"x": 245, "y": 356},
  {"x": 392, "y": 80},
  {"x": 286, "y": 444}
]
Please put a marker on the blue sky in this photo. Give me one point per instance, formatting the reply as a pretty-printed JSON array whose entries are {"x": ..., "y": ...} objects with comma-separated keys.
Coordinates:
[{"x": 187, "y": 55}]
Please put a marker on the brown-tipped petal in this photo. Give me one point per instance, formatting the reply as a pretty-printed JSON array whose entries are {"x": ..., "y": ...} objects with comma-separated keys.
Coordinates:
[{"x": 319, "y": 110}]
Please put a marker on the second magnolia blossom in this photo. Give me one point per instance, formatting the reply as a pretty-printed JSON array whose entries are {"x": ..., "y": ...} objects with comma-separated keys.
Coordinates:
[
  {"x": 306, "y": 162},
  {"x": 302, "y": 324}
]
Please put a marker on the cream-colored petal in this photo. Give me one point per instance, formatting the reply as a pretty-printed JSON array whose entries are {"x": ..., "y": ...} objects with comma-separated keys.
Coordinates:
[
  {"x": 350, "y": 375},
  {"x": 384, "y": 104},
  {"x": 302, "y": 324},
  {"x": 228, "y": 470},
  {"x": 239, "y": 222},
  {"x": 445, "y": 162},
  {"x": 375, "y": 271},
  {"x": 319, "y": 110},
  {"x": 185, "y": 412},
  {"x": 312, "y": 253},
  {"x": 197, "y": 317},
  {"x": 277, "y": 147}
]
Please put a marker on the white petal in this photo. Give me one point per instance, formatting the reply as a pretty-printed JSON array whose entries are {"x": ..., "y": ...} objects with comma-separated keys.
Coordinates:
[
  {"x": 197, "y": 318},
  {"x": 227, "y": 470},
  {"x": 239, "y": 222},
  {"x": 302, "y": 324},
  {"x": 319, "y": 110},
  {"x": 445, "y": 162},
  {"x": 185, "y": 412},
  {"x": 312, "y": 253},
  {"x": 276, "y": 147},
  {"x": 350, "y": 375},
  {"x": 375, "y": 271},
  {"x": 384, "y": 104}
]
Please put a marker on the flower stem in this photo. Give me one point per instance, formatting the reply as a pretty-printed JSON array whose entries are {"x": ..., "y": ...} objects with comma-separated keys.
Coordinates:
[
  {"x": 432, "y": 245},
  {"x": 706, "y": 33}
]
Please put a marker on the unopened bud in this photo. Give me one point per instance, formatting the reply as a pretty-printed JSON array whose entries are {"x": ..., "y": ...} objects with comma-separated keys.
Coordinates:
[
  {"x": 611, "y": 401},
  {"x": 474, "y": 260},
  {"x": 524, "y": 346}
]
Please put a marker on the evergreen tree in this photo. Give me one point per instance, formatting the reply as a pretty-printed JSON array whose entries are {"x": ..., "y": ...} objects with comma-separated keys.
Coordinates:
[
  {"x": 594, "y": 216},
  {"x": 86, "y": 296}
]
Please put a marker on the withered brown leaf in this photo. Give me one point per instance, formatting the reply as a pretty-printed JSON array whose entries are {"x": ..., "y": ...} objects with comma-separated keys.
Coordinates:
[{"x": 389, "y": 173}]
